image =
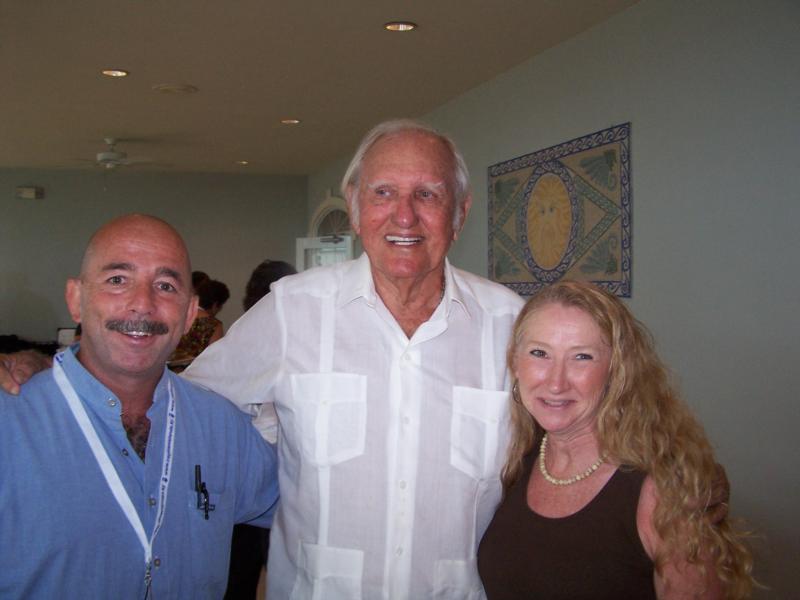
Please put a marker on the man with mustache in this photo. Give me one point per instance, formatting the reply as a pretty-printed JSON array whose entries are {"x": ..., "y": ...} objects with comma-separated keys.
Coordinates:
[
  {"x": 120, "y": 479},
  {"x": 388, "y": 376}
]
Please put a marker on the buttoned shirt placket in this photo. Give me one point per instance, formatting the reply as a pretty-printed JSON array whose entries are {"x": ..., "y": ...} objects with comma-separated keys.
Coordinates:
[{"x": 109, "y": 472}]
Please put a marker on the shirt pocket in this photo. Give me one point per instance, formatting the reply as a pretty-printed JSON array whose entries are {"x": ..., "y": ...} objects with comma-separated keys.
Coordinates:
[
  {"x": 457, "y": 579},
  {"x": 475, "y": 426},
  {"x": 206, "y": 534},
  {"x": 328, "y": 572},
  {"x": 331, "y": 417}
]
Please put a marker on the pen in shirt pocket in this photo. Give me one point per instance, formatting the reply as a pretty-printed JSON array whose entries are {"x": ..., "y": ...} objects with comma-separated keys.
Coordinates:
[{"x": 203, "y": 502}]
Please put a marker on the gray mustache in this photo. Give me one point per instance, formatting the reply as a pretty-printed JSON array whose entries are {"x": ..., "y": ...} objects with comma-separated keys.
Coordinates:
[{"x": 141, "y": 326}]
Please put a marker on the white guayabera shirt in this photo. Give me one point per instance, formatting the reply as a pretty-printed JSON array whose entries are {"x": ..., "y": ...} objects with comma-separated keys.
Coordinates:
[{"x": 389, "y": 448}]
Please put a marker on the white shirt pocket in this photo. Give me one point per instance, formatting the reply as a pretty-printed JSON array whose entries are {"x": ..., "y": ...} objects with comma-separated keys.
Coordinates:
[
  {"x": 457, "y": 579},
  {"x": 328, "y": 573},
  {"x": 331, "y": 416},
  {"x": 475, "y": 426}
]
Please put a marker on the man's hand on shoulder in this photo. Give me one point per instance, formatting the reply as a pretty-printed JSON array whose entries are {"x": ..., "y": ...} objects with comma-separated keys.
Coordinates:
[
  {"x": 17, "y": 368},
  {"x": 717, "y": 507}
]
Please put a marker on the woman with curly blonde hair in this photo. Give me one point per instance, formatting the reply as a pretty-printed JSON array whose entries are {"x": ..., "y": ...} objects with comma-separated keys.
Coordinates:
[{"x": 608, "y": 475}]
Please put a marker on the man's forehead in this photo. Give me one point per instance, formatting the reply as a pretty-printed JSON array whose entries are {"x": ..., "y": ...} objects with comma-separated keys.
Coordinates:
[
  {"x": 421, "y": 157},
  {"x": 408, "y": 141},
  {"x": 134, "y": 251}
]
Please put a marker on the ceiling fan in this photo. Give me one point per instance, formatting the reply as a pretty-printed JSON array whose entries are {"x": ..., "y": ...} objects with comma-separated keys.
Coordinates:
[{"x": 113, "y": 158}]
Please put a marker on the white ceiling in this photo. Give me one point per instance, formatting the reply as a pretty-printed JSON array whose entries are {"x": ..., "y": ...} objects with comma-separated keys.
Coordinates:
[{"x": 254, "y": 62}]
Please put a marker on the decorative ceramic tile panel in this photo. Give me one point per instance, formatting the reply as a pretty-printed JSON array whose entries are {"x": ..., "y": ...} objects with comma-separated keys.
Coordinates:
[{"x": 564, "y": 212}]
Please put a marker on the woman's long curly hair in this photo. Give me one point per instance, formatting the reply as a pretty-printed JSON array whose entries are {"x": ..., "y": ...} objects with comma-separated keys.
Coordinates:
[{"x": 643, "y": 424}]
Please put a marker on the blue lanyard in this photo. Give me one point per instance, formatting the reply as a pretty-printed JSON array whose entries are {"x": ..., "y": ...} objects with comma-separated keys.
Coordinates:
[{"x": 110, "y": 473}]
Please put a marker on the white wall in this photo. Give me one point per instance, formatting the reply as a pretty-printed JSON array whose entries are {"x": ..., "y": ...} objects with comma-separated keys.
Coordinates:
[
  {"x": 230, "y": 224},
  {"x": 326, "y": 181},
  {"x": 712, "y": 90}
]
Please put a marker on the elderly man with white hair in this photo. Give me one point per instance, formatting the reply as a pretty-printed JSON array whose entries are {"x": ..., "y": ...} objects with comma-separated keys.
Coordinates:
[
  {"x": 389, "y": 380},
  {"x": 388, "y": 376}
]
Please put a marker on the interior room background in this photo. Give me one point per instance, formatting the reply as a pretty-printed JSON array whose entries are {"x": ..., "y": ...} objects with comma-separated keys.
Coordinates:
[{"x": 712, "y": 90}]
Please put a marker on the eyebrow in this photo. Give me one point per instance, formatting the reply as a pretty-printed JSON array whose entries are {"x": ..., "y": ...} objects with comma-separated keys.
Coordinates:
[
  {"x": 376, "y": 184},
  {"x": 432, "y": 184},
  {"x": 570, "y": 348},
  {"x": 170, "y": 273},
  {"x": 117, "y": 266},
  {"x": 123, "y": 266}
]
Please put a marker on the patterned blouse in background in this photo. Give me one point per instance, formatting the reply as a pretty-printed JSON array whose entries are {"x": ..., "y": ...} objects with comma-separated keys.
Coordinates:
[{"x": 196, "y": 339}]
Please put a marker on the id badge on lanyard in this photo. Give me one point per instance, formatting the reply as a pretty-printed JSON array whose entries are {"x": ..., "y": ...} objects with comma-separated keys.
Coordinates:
[{"x": 110, "y": 473}]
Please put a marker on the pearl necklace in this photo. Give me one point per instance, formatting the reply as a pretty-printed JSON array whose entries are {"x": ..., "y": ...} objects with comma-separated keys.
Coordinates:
[{"x": 575, "y": 478}]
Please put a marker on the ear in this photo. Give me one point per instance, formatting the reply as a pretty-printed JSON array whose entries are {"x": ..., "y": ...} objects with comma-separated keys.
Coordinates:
[
  {"x": 191, "y": 313},
  {"x": 351, "y": 196},
  {"x": 72, "y": 294},
  {"x": 512, "y": 367},
  {"x": 464, "y": 208}
]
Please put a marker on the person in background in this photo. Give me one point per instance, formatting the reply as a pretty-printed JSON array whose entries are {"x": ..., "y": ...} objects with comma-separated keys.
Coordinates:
[
  {"x": 250, "y": 544},
  {"x": 206, "y": 328},
  {"x": 120, "y": 479},
  {"x": 199, "y": 278},
  {"x": 605, "y": 468},
  {"x": 262, "y": 278}
]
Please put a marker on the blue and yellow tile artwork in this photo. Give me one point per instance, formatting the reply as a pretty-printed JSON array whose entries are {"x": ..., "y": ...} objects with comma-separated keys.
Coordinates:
[{"x": 564, "y": 212}]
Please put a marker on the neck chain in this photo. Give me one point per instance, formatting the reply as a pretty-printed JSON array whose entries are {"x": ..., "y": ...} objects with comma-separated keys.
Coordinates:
[{"x": 575, "y": 478}]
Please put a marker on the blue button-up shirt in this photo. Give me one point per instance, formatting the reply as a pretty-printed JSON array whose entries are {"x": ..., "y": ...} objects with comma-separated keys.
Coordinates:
[{"x": 62, "y": 533}]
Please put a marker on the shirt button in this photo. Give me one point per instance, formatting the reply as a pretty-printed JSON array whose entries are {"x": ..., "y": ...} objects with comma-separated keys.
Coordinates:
[
  {"x": 399, "y": 551},
  {"x": 407, "y": 357},
  {"x": 124, "y": 452},
  {"x": 112, "y": 402},
  {"x": 406, "y": 420},
  {"x": 151, "y": 501},
  {"x": 157, "y": 562},
  {"x": 402, "y": 484}
]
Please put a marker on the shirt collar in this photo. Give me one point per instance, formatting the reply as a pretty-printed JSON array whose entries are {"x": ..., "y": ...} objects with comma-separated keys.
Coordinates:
[
  {"x": 90, "y": 389},
  {"x": 453, "y": 294},
  {"x": 357, "y": 282}
]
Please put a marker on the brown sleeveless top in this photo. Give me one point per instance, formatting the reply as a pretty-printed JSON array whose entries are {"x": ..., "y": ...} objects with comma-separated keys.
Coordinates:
[{"x": 594, "y": 554}]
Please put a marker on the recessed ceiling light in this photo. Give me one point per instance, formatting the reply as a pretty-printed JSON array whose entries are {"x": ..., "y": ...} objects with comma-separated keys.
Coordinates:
[
  {"x": 175, "y": 88},
  {"x": 242, "y": 163},
  {"x": 399, "y": 26},
  {"x": 290, "y": 121},
  {"x": 115, "y": 72}
]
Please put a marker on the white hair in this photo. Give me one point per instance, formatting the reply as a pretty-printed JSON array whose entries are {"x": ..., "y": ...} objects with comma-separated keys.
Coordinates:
[{"x": 460, "y": 176}]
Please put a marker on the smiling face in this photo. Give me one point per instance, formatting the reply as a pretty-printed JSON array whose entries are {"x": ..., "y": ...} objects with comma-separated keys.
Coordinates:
[
  {"x": 134, "y": 300},
  {"x": 561, "y": 364},
  {"x": 406, "y": 202}
]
